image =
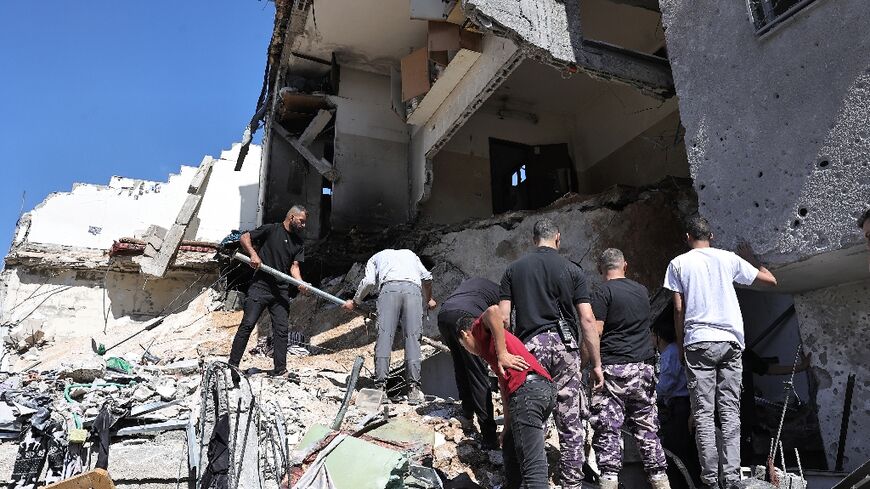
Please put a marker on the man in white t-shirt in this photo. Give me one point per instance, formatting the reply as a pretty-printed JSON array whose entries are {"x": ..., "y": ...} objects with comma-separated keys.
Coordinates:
[{"x": 709, "y": 330}]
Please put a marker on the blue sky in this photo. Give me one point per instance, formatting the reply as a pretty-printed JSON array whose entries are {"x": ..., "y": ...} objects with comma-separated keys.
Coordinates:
[{"x": 98, "y": 88}]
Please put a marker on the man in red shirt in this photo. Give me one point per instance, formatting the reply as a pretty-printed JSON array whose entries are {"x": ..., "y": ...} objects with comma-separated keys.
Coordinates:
[{"x": 527, "y": 393}]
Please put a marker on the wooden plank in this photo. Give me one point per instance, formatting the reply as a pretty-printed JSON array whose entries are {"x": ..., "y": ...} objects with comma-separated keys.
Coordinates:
[
  {"x": 415, "y": 74},
  {"x": 457, "y": 15},
  {"x": 443, "y": 36},
  {"x": 322, "y": 166},
  {"x": 458, "y": 67},
  {"x": 315, "y": 127},
  {"x": 92, "y": 479}
]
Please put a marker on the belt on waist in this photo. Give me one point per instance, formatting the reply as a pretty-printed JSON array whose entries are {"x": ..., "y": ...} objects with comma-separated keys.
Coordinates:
[
  {"x": 383, "y": 284},
  {"x": 536, "y": 377}
]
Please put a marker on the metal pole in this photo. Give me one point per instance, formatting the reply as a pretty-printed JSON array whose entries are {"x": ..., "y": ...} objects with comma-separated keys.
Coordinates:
[
  {"x": 844, "y": 423},
  {"x": 287, "y": 278}
]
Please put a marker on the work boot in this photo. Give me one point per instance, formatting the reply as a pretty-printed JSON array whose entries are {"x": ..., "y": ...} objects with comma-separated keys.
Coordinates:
[
  {"x": 660, "y": 481},
  {"x": 608, "y": 482},
  {"x": 415, "y": 395}
]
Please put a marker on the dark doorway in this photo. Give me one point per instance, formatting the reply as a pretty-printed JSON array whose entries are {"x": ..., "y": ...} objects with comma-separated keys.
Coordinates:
[{"x": 528, "y": 177}]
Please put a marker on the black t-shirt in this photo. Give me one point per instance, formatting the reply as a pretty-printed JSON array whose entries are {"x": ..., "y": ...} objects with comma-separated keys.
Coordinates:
[
  {"x": 543, "y": 286},
  {"x": 473, "y": 296},
  {"x": 623, "y": 305},
  {"x": 278, "y": 248}
]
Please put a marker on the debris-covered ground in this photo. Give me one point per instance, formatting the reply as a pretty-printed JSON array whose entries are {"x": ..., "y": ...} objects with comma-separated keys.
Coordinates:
[{"x": 152, "y": 387}]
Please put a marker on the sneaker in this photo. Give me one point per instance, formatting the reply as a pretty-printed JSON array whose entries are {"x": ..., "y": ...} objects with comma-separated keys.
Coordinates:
[{"x": 415, "y": 395}]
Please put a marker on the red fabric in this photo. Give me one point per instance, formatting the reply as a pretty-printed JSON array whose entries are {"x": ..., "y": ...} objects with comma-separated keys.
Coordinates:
[{"x": 513, "y": 379}]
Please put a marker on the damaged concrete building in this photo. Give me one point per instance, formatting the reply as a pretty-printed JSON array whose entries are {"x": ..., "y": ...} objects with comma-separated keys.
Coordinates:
[{"x": 451, "y": 126}]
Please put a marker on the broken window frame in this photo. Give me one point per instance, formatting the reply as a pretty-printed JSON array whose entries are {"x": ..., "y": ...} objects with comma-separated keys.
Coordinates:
[{"x": 763, "y": 14}]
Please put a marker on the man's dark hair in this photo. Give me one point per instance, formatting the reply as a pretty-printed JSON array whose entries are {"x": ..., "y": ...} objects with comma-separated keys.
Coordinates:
[
  {"x": 698, "y": 228},
  {"x": 663, "y": 326},
  {"x": 464, "y": 323},
  {"x": 545, "y": 229},
  {"x": 297, "y": 209},
  {"x": 864, "y": 217}
]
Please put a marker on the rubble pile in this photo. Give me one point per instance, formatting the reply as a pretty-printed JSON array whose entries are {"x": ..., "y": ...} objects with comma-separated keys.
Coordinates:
[{"x": 152, "y": 390}]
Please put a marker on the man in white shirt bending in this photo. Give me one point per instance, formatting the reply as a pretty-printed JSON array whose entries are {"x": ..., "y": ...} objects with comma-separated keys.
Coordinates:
[
  {"x": 709, "y": 331},
  {"x": 403, "y": 282}
]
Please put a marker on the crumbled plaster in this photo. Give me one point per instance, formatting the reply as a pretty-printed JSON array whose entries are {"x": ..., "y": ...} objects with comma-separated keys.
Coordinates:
[
  {"x": 777, "y": 140},
  {"x": 835, "y": 327},
  {"x": 551, "y": 31},
  {"x": 93, "y": 216}
]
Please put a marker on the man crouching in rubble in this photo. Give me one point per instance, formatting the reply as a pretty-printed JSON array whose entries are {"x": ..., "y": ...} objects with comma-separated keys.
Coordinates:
[
  {"x": 400, "y": 276},
  {"x": 622, "y": 312},
  {"x": 527, "y": 393},
  {"x": 550, "y": 294},
  {"x": 280, "y": 246}
]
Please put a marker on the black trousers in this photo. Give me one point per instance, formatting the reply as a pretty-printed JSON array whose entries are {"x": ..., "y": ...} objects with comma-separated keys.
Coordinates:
[
  {"x": 524, "y": 448},
  {"x": 676, "y": 437},
  {"x": 472, "y": 377},
  {"x": 261, "y": 296}
]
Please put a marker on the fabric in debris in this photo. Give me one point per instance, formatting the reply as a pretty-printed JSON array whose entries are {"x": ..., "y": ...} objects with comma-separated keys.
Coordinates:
[
  {"x": 30, "y": 460},
  {"x": 216, "y": 472},
  {"x": 119, "y": 365},
  {"x": 73, "y": 463},
  {"x": 100, "y": 429},
  {"x": 56, "y": 452}
]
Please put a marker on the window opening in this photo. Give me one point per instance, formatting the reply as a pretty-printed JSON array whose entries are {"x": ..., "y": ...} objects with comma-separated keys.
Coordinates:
[{"x": 767, "y": 14}]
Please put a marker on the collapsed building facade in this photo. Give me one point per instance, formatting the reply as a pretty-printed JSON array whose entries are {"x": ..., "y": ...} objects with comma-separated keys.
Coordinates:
[{"x": 450, "y": 127}]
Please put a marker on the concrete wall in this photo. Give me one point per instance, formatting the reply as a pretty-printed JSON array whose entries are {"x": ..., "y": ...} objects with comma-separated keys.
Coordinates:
[
  {"x": 460, "y": 189},
  {"x": 775, "y": 124},
  {"x": 291, "y": 180},
  {"x": 835, "y": 326},
  {"x": 93, "y": 216},
  {"x": 629, "y": 27},
  {"x": 655, "y": 154},
  {"x": 499, "y": 57},
  {"x": 72, "y": 303},
  {"x": 371, "y": 153},
  {"x": 612, "y": 116}
]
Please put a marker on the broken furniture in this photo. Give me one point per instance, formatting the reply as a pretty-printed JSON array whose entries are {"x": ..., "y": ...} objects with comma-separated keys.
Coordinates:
[{"x": 430, "y": 73}]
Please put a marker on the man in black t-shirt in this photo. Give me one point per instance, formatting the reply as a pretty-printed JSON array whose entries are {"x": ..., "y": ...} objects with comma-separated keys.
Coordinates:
[
  {"x": 280, "y": 246},
  {"x": 622, "y": 314},
  {"x": 470, "y": 300},
  {"x": 548, "y": 293}
]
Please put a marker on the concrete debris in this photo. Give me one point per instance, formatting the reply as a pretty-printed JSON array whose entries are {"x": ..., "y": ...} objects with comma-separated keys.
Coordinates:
[
  {"x": 82, "y": 368},
  {"x": 27, "y": 334},
  {"x": 166, "y": 388}
]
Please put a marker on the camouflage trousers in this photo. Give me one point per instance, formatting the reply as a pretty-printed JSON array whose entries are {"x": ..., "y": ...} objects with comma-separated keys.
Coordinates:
[
  {"x": 628, "y": 398},
  {"x": 564, "y": 367}
]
